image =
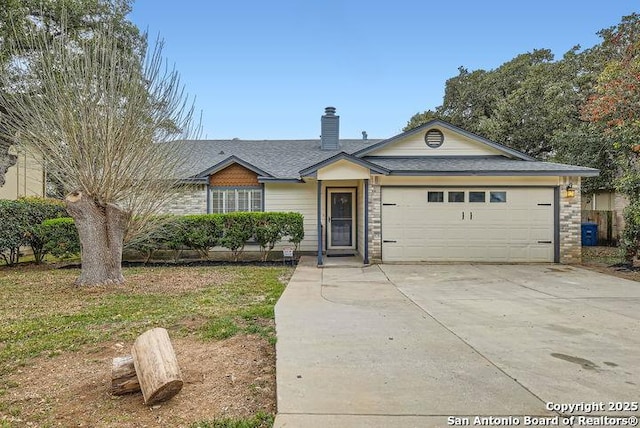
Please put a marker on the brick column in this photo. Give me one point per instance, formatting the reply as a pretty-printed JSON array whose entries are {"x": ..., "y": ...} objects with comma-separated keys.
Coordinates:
[
  {"x": 570, "y": 223},
  {"x": 375, "y": 224}
]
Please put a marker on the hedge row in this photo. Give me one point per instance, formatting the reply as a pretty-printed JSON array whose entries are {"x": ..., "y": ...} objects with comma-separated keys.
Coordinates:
[
  {"x": 200, "y": 233},
  {"x": 20, "y": 225}
]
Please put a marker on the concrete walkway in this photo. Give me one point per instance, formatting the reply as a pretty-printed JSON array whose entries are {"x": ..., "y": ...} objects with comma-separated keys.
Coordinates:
[{"x": 384, "y": 347}]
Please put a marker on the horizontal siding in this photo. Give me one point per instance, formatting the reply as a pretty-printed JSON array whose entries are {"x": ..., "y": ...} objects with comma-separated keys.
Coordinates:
[
  {"x": 25, "y": 178},
  {"x": 454, "y": 145},
  {"x": 297, "y": 197}
]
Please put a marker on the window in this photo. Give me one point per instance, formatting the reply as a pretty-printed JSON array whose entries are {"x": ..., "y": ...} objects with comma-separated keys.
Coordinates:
[
  {"x": 226, "y": 200},
  {"x": 435, "y": 196},
  {"x": 498, "y": 197},
  {"x": 476, "y": 196},
  {"x": 456, "y": 197}
]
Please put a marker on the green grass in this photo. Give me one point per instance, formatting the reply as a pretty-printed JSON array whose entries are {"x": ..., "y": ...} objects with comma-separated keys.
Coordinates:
[
  {"x": 44, "y": 314},
  {"x": 259, "y": 420}
]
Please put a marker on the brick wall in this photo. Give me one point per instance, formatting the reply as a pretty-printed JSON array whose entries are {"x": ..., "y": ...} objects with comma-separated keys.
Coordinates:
[
  {"x": 375, "y": 225},
  {"x": 234, "y": 175},
  {"x": 190, "y": 199},
  {"x": 570, "y": 223}
]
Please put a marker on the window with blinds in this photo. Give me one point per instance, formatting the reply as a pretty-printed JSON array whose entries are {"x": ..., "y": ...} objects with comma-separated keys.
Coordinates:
[{"x": 227, "y": 200}]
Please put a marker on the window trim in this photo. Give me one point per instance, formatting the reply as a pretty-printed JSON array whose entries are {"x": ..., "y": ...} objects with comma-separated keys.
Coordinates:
[
  {"x": 235, "y": 189},
  {"x": 435, "y": 192},
  {"x": 494, "y": 200},
  {"x": 479, "y": 192},
  {"x": 464, "y": 196}
]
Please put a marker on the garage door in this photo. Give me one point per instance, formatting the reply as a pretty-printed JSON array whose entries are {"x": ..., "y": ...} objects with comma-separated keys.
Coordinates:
[{"x": 468, "y": 224}]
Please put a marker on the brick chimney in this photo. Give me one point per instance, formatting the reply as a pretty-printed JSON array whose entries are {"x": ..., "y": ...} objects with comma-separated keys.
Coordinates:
[{"x": 330, "y": 130}]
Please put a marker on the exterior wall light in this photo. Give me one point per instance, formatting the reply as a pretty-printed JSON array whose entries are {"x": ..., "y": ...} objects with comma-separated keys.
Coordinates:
[{"x": 571, "y": 192}]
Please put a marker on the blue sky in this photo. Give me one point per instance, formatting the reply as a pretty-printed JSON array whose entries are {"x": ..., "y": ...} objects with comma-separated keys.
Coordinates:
[{"x": 266, "y": 69}]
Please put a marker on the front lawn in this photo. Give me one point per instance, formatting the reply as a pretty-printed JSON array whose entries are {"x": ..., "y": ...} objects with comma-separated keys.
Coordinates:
[{"x": 57, "y": 342}]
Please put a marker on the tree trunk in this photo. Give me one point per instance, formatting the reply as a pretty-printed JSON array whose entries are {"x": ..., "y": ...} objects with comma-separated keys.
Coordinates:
[
  {"x": 156, "y": 366},
  {"x": 101, "y": 230},
  {"x": 123, "y": 376}
]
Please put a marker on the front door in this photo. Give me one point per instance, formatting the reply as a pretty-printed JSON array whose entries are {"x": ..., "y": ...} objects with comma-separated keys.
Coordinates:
[{"x": 341, "y": 219}]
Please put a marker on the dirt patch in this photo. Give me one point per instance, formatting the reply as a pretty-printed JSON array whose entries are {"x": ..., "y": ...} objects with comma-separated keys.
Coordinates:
[
  {"x": 607, "y": 260},
  {"x": 233, "y": 377}
]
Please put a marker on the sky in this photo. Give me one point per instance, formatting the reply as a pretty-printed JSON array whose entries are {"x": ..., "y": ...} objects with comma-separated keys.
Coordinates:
[{"x": 267, "y": 69}]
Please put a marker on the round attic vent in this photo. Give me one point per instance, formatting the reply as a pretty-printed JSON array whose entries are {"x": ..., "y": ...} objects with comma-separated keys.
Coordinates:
[{"x": 434, "y": 138}]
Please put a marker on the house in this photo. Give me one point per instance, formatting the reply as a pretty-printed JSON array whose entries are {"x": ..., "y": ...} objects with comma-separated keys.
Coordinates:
[
  {"x": 436, "y": 193},
  {"x": 25, "y": 178},
  {"x": 606, "y": 208}
]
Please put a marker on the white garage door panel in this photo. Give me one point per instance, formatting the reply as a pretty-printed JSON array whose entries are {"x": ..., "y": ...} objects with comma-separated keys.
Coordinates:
[{"x": 518, "y": 230}]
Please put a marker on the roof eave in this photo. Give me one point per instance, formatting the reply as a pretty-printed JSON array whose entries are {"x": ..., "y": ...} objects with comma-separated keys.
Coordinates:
[
  {"x": 453, "y": 128},
  {"x": 279, "y": 180},
  {"x": 194, "y": 180},
  {"x": 502, "y": 173},
  {"x": 313, "y": 169},
  {"x": 230, "y": 161}
]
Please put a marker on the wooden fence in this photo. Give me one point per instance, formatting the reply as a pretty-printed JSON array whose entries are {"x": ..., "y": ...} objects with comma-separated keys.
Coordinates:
[{"x": 608, "y": 229}]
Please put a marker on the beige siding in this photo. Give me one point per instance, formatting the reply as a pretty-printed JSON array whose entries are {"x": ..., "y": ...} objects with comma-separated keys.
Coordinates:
[
  {"x": 454, "y": 145},
  {"x": 341, "y": 170},
  {"x": 25, "y": 178},
  {"x": 297, "y": 197},
  {"x": 468, "y": 181}
]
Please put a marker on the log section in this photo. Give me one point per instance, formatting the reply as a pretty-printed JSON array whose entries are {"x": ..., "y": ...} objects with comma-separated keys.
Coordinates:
[{"x": 156, "y": 365}]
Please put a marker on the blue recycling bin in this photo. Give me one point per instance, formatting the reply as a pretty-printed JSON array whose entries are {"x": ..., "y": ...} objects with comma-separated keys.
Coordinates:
[{"x": 589, "y": 234}]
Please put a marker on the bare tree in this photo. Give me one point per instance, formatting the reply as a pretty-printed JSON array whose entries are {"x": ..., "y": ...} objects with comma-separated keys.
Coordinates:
[
  {"x": 99, "y": 118},
  {"x": 20, "y": 20}
]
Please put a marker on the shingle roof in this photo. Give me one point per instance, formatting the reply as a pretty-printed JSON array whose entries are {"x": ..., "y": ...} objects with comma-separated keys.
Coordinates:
[
  {"x": 284, "y": 159},
  {"x": 476, "y": 165},
  {"x": 279, "y": 158}
]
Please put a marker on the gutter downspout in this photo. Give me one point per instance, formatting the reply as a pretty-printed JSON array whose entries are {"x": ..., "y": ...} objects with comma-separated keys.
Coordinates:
[
  {"x": 366, "y": 222},
  {"x": 208, "y": 198},
  {"x": 319, "y": 214}
]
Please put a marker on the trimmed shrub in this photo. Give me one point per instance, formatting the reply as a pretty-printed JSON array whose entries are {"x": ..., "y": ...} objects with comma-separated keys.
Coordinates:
[
  {"x": 162, "y": 233},
  {"x": 269, "y": 229},
  {"x": 294, "y": 228},
  {"x": 12, "y": 230},
  {"x": 20, "y": 224},
  {"x": 238, "y": 228},
  {"x": 201, "y": 232},
  {"x": 37, "y": 211},
  {"x": 60, "y": 237}
]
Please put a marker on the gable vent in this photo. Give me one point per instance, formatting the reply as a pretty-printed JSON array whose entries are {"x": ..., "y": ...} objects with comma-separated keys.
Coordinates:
[{"x": 434, "y": 138}]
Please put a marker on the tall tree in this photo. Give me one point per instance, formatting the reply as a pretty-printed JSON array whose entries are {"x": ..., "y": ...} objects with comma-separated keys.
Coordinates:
[
  {"x": 99, "y": 116},
  {"x": 615, "y": 106},
  {"x": 419, "y": 119},
  {"x": 20, "y": 20}
]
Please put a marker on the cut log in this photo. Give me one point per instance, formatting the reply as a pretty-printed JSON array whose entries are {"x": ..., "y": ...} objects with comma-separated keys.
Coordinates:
[
  {"x": 156, "y": 366},
  {"x": 123, "y": 376}
]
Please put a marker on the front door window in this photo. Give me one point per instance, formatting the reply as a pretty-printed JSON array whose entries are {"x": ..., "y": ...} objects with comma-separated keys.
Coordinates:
[{"x": 341, "y": 219}]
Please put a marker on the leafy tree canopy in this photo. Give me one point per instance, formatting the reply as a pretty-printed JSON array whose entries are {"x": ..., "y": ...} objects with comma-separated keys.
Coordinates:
[{"x": 566, "y": 110}]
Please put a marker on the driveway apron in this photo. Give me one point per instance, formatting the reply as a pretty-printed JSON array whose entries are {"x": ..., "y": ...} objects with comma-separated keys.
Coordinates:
[{"x": 354, "y": 350}]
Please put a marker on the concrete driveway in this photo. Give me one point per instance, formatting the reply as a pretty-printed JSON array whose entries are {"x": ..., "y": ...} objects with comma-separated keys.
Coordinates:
[{"x": 413, "y": 345}]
